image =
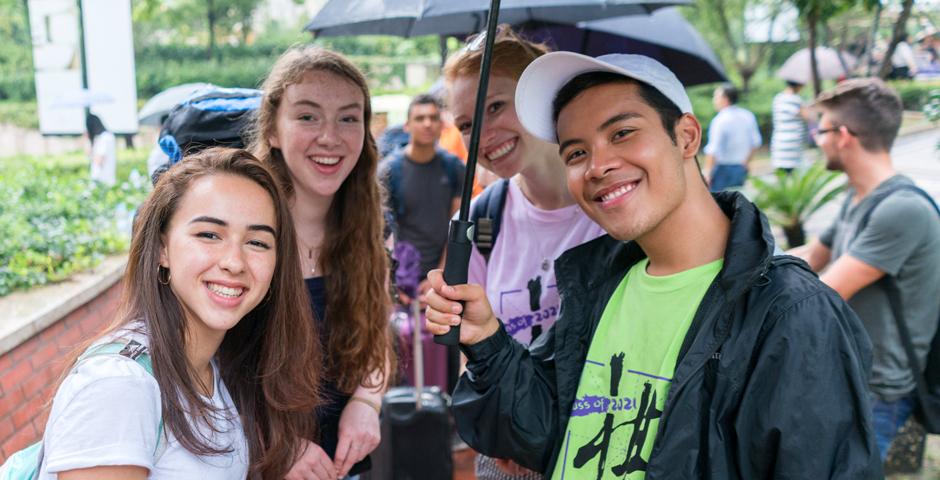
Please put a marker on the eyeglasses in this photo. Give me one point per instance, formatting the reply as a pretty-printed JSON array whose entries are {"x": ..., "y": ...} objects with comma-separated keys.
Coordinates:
[
  {"x": 475, "y": 42},
  {"x": 504, "y": 33},
  {"x": 817, "y": 132}
]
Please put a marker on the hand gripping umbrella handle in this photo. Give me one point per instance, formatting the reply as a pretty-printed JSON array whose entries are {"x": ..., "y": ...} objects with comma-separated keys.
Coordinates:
[
  {"x": 459, "y": 236},
  {"x": 459, "y": 247}
]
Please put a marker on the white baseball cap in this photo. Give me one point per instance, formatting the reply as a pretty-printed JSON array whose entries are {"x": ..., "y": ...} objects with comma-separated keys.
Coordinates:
[{"x": 546, "y": 75}]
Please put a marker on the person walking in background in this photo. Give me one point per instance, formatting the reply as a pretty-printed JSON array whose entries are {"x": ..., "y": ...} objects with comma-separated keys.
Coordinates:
[
  {"x": 886, "y": 238},
  {"x": 903, "y": 62},
  {"x": 788, "y": 138},
  {"x": 685, "y": 347},
  {"x": 733, "y": 137},
  {"x": 312, "y": 128},
  {"x": 103, "y": 151},
  {"x": 424, "y": 185},
  {"x": 212, "y": 299}
]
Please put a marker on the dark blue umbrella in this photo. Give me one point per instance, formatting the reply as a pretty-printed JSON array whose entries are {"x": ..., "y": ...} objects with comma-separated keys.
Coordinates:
[
  {"x": 408, "y": 18},
  {"x": 664, "y": 35}
]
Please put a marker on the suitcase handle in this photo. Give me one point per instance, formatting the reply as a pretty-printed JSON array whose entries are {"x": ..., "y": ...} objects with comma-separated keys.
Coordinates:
[{"x": 418, "y": 356}]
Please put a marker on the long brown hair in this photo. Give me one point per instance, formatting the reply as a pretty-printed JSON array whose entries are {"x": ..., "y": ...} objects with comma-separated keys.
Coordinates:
[
  {"x": 352, "y": 256},
  {"x": 270, "y": 361}
]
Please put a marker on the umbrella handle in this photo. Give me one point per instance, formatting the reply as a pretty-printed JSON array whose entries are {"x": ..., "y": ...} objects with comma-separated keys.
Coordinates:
[
  {"x": 460, "y": 234},
  {"x": 459, "y": 247}
]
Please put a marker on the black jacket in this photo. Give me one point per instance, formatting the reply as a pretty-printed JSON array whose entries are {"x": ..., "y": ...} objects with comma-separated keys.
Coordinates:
[{"x": 770, "y": 381}]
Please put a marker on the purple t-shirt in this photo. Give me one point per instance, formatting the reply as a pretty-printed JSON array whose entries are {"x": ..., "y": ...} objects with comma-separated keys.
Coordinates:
[{"x": 520, "y": 277}]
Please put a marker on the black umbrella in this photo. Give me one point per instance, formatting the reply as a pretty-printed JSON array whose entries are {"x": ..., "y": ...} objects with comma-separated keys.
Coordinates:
[
  {"x": 664, "y": 35},
  {"x": 419, "y": 17},
  {"x": 408, "y": 18}
]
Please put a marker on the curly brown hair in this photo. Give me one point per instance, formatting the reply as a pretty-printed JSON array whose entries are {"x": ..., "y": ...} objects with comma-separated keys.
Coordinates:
[{"x": 352, "y": 257}]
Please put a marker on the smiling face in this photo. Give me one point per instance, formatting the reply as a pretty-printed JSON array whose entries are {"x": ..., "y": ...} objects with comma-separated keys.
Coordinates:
[
  {"x": 506, "y": 148},
  {"x": 320, "y": 130},
  {"x": 220, "y": 250},
  {"x": 623, "y": 168}
]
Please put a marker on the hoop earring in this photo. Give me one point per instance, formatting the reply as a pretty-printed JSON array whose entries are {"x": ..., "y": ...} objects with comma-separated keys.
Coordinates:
[{"x": 160, "y": 275}]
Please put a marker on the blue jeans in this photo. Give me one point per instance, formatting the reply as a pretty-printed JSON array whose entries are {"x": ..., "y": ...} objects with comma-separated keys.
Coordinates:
[
  {"x": 888, "y": 417},
  {"x": 727, "y": 176}
]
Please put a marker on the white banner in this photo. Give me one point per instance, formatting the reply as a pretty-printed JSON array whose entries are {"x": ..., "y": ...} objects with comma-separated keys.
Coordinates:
[{"x": 109, "y": 53}]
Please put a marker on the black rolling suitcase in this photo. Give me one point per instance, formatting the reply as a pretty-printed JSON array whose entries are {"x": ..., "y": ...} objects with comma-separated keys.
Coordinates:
[{"x": 416, "y": 432}]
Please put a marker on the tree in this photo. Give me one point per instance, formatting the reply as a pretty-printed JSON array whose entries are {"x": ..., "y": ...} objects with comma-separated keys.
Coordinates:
[
  {"x": 896, "y": 36},
  {"x": 812, "y": 12},
  {"x": 724, "y": 22},
  {"x": 816, "y": 13},
  {"x": 218, "y": 19},
  {"x": 16, "y": 61}
]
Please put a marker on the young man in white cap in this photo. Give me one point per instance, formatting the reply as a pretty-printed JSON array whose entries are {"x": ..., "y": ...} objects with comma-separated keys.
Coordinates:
[{"x": 684, "y": 348}]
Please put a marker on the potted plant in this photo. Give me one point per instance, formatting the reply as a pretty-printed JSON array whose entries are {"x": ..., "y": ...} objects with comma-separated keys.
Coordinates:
[{"x": 789, "y": 200}]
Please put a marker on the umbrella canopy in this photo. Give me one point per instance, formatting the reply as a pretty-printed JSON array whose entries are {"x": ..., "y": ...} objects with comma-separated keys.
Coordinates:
[
  {"x": 160, "y": 104},
  {"x": 832, "y": 64},
  {"x": 408, "y": 18},
  {"x": 664, "y": 35}
]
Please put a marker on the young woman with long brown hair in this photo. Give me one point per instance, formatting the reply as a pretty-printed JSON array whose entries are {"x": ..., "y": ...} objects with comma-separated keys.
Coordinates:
[
  {"x": 212, "y": 294},
  {"x": 312, "y": 128},
  {"x": 540, "y": 219}
]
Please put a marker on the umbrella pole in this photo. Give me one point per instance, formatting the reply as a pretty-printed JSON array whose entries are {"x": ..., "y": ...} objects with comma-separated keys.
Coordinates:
[{"x": 460, "y": 235}]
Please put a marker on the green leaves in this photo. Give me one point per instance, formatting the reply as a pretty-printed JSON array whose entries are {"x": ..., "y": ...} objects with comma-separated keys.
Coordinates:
[
  {"x": 789, "y": 200},
  {"x": 55, "y": 221},
  {"x": 932, "y": 106}
]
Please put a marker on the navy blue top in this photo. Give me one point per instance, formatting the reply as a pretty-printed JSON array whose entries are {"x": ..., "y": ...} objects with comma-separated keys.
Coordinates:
[{"x": 333, "y": 399}]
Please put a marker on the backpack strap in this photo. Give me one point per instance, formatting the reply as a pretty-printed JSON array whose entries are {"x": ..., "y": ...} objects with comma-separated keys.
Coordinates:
[
  {"x": 881, "y": 196},
  {"x": 139, "y": 353},
  {"x": 450, "y": 162},
  {"x": 487, "y": 216},
  {"x": 897, "y": 309},
  {"x": 394, "y": 183}
]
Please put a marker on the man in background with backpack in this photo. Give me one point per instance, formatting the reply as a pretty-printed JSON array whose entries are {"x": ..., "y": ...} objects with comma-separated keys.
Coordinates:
[
  {"x": 885, "y": 241},
  {"x": 424, "y": 185}
]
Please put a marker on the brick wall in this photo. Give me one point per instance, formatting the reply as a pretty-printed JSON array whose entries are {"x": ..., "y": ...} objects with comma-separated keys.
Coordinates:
[{"x": 29, "y": 371}]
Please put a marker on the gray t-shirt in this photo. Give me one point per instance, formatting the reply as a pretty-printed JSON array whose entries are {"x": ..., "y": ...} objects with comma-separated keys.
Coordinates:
[
  {"x": 902, "y": 239},
  {"x": 427, "y": 192}
]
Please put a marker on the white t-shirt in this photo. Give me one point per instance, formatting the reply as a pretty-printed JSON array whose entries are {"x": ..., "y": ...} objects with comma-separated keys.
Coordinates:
[
  {"x": 107, "y": 411},
  {"x": 104, "y": 146},
  {"x": 732, "y": 136},
  {"x": 523, "y": 294}
]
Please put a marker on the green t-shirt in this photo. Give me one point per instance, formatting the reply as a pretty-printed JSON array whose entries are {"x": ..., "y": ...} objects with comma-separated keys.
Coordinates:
[{"x": 627, "y": 373}]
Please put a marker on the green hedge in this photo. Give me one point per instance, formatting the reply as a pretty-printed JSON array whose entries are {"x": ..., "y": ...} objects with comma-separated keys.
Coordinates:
[
  {"x": 17, "y": 85},
  {"x": 21, "y": 113},
  {"x": 155, "y": 76},
  {"x": 914, "y": 94},
  {"x": 56, "y": 221}
]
